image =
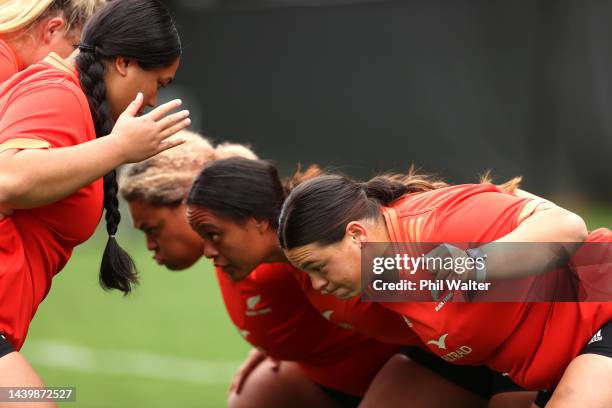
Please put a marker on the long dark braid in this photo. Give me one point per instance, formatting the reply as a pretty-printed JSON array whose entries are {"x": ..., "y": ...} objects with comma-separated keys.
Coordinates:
[
  {"x": 117, "y": 270},
  {"x": 141, "y": 30}
]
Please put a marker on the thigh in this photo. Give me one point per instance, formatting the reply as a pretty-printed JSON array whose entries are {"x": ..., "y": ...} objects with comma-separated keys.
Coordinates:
[
  {"x": 585, "y": 383},
  {"x": 15, "y": 371},
  {"x": 402, "y": 380},
  {"x": 517, "y": 399},
  {"x": 285, "y": 387}
]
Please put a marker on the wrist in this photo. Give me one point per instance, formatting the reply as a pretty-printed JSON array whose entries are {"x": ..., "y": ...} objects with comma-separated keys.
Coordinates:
[
  {"x": 116, "y": 150},
  {"x": 479, "y": 258}
]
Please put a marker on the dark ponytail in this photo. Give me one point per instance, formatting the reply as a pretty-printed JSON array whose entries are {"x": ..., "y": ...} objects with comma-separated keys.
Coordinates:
[
  {"x": 240, "y": 188},
  {"x": 144, "y": 31},
  {"x": 319, "y": 210}
]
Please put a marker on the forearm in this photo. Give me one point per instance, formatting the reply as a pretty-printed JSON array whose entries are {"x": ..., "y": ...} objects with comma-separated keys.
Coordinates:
[
  {"x": 34, "y": 177},
  {"x": 541, "y": 243}
]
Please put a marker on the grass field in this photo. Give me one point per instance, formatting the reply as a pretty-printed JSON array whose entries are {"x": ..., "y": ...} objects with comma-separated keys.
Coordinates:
[{"x": 170, "y": 344}]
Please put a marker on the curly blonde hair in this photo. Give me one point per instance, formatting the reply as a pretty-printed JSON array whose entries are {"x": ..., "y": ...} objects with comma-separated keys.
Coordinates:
[
  {"x": 22, "y": 14},
  {"x": 165, "y": 179}
]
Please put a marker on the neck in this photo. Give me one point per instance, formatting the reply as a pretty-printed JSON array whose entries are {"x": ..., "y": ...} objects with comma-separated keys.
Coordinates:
[
  {"x": 275, "y": 254},
  {"x": 20, "y": 48},
  {"x": 380, "y": 232}
]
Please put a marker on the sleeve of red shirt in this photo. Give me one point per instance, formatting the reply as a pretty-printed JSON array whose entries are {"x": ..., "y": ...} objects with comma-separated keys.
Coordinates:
[
  {"x": 6, "y": 70},
  {"x": 478, "y": 216},
  {"x": 7, "y": 63},
  {"x": 52, "y": 113}
]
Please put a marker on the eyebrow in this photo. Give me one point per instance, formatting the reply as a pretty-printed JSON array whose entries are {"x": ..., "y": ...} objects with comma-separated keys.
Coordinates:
[
  {"x": 307, "y": 265},
  {"x": 205, "y": 227}
]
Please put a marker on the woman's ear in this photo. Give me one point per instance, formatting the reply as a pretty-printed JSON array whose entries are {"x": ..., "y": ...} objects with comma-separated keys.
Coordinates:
[
  {"x": 357, "y": 232},
  {"x": 51, "y": 28},
  {"x": 262, "y": 226},
  {"x": 121, "y": 64}
]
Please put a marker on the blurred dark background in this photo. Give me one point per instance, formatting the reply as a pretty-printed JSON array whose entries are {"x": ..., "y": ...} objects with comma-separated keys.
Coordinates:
[{"x": 455, "y": 86}]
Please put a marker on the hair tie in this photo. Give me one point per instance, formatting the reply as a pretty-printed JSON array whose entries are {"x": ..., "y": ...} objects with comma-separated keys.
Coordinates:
[{"x": 86, "y": 48}]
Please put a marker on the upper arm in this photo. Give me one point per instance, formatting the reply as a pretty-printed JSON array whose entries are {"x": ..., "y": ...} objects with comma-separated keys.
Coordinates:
[
  {"x": 535, "y": 204},
  {"x": 35, "y": 119},
  {"x": 41, "y": 118}
]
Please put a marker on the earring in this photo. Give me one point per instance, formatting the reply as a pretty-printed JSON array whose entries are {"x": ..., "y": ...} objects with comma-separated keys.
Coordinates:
[{"x": 357, "y": 241}]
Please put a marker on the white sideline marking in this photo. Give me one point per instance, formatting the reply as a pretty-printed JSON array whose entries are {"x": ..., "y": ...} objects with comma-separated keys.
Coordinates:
[{"x": 71, "y": 356}]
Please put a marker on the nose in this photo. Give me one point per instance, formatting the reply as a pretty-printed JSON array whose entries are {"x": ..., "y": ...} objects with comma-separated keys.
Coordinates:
[
  {"x": 152, "y": 101},
  {"x": 318, "y": 282},
  {"x": 209, "y": 250},
  {"x": 151, "y": 244}
]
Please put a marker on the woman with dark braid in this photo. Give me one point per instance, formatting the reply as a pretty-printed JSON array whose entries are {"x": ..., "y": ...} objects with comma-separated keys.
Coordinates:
[
  {"x": 31, "y": 29},
  {"x": 65, "y": 125}
]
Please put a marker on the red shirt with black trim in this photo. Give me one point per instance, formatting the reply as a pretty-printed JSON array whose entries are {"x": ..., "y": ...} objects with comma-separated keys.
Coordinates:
[
  {"x": 42, "y": 106},
  {"x": 529, "y": 341},
  {"x": 272, "y": 313}
]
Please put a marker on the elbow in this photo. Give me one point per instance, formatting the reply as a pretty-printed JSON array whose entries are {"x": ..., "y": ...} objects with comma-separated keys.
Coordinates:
[
  {"x": 10, "y": 189},
  {"x": 574, "y": 227}
]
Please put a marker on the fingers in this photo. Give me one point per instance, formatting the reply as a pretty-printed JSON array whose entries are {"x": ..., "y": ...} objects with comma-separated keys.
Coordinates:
[
  {"x": 245, "y": 371},
  {"x": 134, "y": 107},
  {"x": 169, "y": 144},
  {"x": 234, "y": 384},
  {"x": 162, "y": 110},
  {"x": 174, "y": 119},
  {"x": 253, "y": 360},
  {"x": 240, "y": 383},
  {"x": 175, "y": 129}
]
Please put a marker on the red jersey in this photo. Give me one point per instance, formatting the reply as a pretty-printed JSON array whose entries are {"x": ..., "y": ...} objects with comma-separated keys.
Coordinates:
[
  {"x": 529, "y": 341},
  {"x": 9, "y": 65},
  {"x": 369, "y": 318},
  {"x": 272, "y": 313},
  {"x": 42, "y": 107}
]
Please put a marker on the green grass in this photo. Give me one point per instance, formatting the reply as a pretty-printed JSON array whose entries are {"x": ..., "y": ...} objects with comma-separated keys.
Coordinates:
[
  {"x": 171, "y": 319},
  {"x": 172, "y": 315}
]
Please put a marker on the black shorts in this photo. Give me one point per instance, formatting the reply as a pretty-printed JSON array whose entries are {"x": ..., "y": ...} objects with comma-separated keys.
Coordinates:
[
  {"x": 600, "y": 343},
  {"x": 5, "y": 346},
  {"x": 343, "y": 399},
  {"x": 480, "y": 379}
]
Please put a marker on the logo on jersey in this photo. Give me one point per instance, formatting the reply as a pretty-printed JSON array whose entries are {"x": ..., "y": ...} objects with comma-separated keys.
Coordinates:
[
  {"x": 408, "y": 322},
  {"x": 252, "y": 303},
  {"x": 457, "y": 354},
  {"x": 441, "y": 342},
  {"x": 443, "y": 302},
  {"x": 596, "y": 337},
  {"x": 327, "y": 314},
  {"x": 453, "y": 355}
]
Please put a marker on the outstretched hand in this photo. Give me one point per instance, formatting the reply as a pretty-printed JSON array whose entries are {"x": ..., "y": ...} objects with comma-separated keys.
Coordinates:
[{"x": 140, "y": 137}]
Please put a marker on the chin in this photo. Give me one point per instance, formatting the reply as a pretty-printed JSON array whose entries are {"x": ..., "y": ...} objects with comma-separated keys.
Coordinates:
[{"x": 176, "y": 267}]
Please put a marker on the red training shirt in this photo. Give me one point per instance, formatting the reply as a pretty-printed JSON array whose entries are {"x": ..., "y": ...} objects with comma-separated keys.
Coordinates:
[
  {"x": 272, "y": 313},
  {"x": 532, "y": 342},
  {"x": 42, "y": 107}
]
